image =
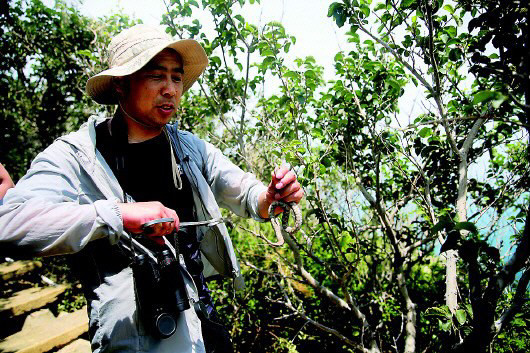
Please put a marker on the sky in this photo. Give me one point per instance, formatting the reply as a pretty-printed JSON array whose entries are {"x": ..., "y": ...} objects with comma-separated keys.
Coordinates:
[
  {"x": 316, "y": 34},
  {"x": 305, "y": 19}
]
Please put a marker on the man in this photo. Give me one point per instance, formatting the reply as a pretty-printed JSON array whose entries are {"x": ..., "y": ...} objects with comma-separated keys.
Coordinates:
[
  {"x": 111, "y": 176},
  {"x": 5, "y": 182}
]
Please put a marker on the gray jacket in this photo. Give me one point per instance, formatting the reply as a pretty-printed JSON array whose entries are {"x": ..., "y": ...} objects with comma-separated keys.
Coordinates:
[{"x": 67, "y": 203}]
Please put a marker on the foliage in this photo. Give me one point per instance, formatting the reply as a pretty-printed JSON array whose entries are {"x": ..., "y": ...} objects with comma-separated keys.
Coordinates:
[
  {"x": 380, "y": 192},
  {"x": 46, "y": 55}
]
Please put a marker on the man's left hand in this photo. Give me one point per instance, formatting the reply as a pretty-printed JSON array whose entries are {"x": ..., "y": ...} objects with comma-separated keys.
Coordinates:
[{"x": 283, "y": 187}]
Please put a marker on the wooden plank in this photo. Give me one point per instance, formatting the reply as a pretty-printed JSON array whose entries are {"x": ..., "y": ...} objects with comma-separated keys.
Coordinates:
[
  {"x": 29, "y": 299},
  {"x": 77, "y": 346},
  {"x": 9, "y": 270},
  {"x": 43, "y": 332}
]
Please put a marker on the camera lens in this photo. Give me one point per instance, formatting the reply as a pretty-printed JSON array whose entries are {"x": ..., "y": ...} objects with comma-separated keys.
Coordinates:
[{"x": 166, "y": 325}]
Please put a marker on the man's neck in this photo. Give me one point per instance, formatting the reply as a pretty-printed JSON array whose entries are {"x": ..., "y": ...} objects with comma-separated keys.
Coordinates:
[{"x": 136, "y": 131}]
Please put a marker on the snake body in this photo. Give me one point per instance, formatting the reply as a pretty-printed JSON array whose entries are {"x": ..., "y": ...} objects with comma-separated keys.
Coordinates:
[{"x": 284, "y": 227}]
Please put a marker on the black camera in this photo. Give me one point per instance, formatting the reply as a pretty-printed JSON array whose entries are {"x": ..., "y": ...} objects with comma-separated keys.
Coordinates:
[{"x": 159, "y": 286}]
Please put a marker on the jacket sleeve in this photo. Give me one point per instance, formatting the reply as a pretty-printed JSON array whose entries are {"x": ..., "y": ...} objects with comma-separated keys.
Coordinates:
[
  {"x": 233, "y": 188},
  {"x": 43, "y": 215}
]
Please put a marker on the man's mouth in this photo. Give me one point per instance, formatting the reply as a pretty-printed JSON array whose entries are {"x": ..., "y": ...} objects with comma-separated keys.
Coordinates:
[{"x": 166, "y": 107}]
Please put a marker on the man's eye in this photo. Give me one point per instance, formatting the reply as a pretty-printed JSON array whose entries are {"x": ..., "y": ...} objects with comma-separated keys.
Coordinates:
[
  {"x": 177, "y": 79},
  {"x": 156, "y": 77}
]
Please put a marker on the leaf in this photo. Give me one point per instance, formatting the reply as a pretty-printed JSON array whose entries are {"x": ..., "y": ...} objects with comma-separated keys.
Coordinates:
[
  {"x": 445, "y": 326},
  {"x": 461, "y": 316},
  {"x": 380, "y": 6},
  {"x": 267, "y": 52},
  {"x": 365, "y": 10},
  {"x": 300, "y": 98},
  {"x": 268, "y": 61},
  {"x": 500, "y": 98},
  {"x": 394, "y": 83},
  {"x": 290, "y": 74},
  {"x": 310, "y": 74},
  {"x": 482, "y": 96},
  {"x": 449, "y": 9},
  {"x": 354, "y": 38},
  {"x": 216, "y": 60},
  {"x": 426, "y": 131},
  {"x": 85, "y": 52},
  {"x": 469, "y": 226},
  {"x": 337, "y": 11},
  {"x": 442, "y": 311}
]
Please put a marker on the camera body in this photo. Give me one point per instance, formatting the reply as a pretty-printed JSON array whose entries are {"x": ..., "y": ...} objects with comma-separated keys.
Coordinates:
[{"x": 160, "y": 291}]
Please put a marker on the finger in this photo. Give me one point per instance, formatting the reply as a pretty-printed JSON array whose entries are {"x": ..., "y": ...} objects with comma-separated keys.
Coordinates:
[
  {"x": 295, "y": 197},
  {"x": 175, "y": 224},
  {"x": 274, "y": 180},
  {"x": 288, "y": 190},
  {"x": 279, "y": 172},
  {"x": 159, "y": 229},
  {"x": 287, "y": 179}
]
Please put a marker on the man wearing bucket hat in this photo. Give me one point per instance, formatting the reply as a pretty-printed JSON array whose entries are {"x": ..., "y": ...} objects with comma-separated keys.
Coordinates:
[{"x": 91, "y": 186}]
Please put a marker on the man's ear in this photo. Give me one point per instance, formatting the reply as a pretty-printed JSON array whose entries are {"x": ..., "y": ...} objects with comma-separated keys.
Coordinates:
[{"x": 119, "y": 85}]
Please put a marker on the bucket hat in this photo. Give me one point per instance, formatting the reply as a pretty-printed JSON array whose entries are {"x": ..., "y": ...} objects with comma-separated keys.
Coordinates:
[{"x": 133, "y": 48}]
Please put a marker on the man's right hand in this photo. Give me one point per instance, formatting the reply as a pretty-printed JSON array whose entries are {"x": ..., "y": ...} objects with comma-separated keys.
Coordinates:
[{"x": 135, "y": 214}]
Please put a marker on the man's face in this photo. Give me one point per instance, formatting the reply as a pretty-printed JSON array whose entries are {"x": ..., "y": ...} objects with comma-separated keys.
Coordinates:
[{"x": 152, "y": 94}]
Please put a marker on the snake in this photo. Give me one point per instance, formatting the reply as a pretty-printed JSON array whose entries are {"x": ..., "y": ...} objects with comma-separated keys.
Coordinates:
[{"x": 284, "y": 227}]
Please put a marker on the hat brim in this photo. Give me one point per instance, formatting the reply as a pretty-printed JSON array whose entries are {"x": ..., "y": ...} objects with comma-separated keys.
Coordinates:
[{"x": 194, "y": 61}]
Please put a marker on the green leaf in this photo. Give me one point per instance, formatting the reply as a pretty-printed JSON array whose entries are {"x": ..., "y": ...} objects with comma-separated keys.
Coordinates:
[
  {"x": 267, "y": 52},
  {"x": 85, "y": 52},
  {"x": 354, "y": 38},
  {"x": 337, "y": 11},
  {"x": 482, "y": 96},
  {"x": 461, "y": 316},
  {"x": 443, "y": 223},
  {"x": 449, "y": 9},
  {"x": 425, "y": 132},
  {"x": 268, "y": 61},
  {"x": 290, "y": 74},
  {"x": 365, "y": 10},
  {"x": 445, "y": 326},
  {"x": 300, "y": 98},
  {"x": 310, "y": 74},
  {"x": 499, "y": 99},
  {"x": 380, "y": 6},
  {"x": 216, "y": 60},
  {"x": 394, "y": 83},
  {"x": 469, "y": 226}
]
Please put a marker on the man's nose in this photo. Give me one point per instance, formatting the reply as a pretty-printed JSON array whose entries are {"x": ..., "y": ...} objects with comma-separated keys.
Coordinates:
[{"x": 170, "y": 88}]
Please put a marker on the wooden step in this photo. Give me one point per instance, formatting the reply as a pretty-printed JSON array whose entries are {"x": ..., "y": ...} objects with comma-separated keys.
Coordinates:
[
  {"x": 9, "y": 270},
  {"x": 29, "y": 299},
  {"x": 77, "y": 346},
  {"x": 42, "y": 332}
]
